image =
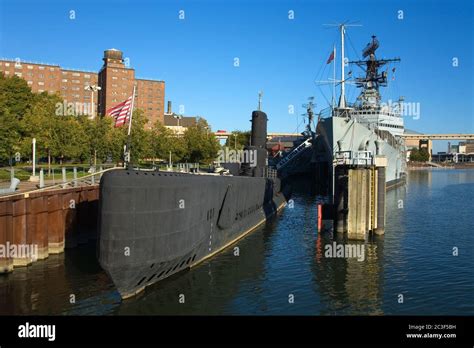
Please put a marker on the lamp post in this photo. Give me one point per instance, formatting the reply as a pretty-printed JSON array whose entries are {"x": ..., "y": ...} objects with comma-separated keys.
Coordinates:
[
  {"x": 34, "y": 156},
  {"x": 33, "y": 177},
  {"x": 93, "y": 89}
]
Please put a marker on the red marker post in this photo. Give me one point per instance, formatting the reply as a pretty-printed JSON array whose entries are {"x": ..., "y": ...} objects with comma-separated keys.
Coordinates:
[{"x": 320, "y": 216}]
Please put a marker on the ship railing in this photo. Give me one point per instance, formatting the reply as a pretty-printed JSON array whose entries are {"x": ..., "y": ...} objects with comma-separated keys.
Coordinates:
[
  {"x": 354, "y": 158},
  {"x": 270, "y": 173},
  {"x": 183, "y": 167},
  {"x": 295, "y": 152}
]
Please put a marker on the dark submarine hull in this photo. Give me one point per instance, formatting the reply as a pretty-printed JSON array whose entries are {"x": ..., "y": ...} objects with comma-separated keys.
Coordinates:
[{"x": 155, "y": 224}]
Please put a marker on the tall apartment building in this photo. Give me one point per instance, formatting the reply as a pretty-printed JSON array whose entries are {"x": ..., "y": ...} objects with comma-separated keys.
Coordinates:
[{"x": 115, "y": 80}]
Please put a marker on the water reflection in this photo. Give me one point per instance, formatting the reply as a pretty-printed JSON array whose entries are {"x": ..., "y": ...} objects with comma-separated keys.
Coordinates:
[{"x": 286, "y": 257}]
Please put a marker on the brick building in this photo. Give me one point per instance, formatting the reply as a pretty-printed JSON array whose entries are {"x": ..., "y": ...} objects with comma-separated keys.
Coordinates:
[{"x": 115, "y": 80}]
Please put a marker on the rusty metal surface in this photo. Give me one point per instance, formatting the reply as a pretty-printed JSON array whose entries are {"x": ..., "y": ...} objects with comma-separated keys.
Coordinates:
[{"x": 50, "y": 219}]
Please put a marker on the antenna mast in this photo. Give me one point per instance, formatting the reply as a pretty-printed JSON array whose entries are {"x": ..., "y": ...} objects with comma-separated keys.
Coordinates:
[
  {"x": 342, "y": 27},
  {"x": 342, "y": 101},
  {"x": 260, "y": 94}
]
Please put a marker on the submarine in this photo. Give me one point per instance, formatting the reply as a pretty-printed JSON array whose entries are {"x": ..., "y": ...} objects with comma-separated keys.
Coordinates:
[{"x": 153, "y": 224}]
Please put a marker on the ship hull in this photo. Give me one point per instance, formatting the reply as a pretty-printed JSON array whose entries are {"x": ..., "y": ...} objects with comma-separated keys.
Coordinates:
[
  {"x": 155, "y": 224},
  {"x": 344, "y": 134}
]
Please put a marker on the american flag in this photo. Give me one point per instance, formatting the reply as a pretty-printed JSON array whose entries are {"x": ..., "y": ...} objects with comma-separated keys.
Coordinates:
[
  {"x": 331, "y": 57},
  {"x": 121, "y": 112}
]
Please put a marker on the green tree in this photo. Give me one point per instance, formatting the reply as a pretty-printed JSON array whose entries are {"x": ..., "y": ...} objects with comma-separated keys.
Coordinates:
[
  {"x": 419, "y": 155},
  {"x": 140, "y": 137},
  {"x": 15, "y": 101},
  {"x": 202, "y": 145},
  {"x": 69, "y": 140},
  {"x": 38, "y": 122},
  {"x": 97, "y": 132},
  {"x": 238, "y": 139},
  {"x": 15, "y": 95}
]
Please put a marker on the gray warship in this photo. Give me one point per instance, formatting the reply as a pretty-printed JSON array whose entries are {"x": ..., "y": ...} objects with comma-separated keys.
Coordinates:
[
  {"x": 358, "y": 131},
  {"x": 153, "y": 224},
  {"x": 353, "y": 132}
]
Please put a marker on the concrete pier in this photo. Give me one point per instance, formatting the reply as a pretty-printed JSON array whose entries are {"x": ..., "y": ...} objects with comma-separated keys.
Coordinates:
[{"x": 359, "y": 195}]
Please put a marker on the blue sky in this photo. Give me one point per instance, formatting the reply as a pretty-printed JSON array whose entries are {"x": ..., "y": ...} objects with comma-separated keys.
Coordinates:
[{"x": 282, "y": 57}]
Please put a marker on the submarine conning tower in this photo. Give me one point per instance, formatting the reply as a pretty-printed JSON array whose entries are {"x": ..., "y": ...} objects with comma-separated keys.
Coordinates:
[{"x": 258, "y": 143}]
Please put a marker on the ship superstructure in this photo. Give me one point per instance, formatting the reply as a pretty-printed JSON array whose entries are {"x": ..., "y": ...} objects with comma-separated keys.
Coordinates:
[{"x": 356, "y": 132}]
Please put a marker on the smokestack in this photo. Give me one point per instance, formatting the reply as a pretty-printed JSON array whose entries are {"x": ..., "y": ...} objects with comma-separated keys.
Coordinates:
[{"x": 169, "y": 107}]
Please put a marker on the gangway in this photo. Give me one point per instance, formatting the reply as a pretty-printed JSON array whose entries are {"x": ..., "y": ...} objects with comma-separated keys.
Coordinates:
[{"x": 294, "y": 153}]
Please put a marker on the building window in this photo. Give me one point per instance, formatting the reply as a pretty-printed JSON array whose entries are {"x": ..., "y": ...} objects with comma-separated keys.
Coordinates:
[
  {"x": 64, "y": 88},
  {"x": 30, "y": 67},
  {"x": 114, "y": 70},
  {"x": 18, "y": 74},
  {"x": 40, "y": 90},
  {"x": 75, "y": 88},
  {"x": 41, "y": 67},
  {"x": 41, "y": 83},
  {"x": 64, "y": 72},
  {"x": 76, "y": 74},
  {"x": 7, "y": 64},
  {"x": 64, "y": 80},
  {"x": 114, "y": 77},
  {"x": 114, "y": 85},
  {"x": 30, "y": 82},
  {"x": 51, "y": 69},
  {"x": 41, "y": 76},
  {"x": 76, "y": 81},
  {"x": 87, "y": 76}
]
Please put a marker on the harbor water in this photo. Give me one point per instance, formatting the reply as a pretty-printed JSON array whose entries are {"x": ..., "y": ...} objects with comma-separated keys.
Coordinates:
[{"x": 423, "y": 265}]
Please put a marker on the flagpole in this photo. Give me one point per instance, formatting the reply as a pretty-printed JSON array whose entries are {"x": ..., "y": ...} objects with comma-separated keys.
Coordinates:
[
  {"x": 127, "y": 154},
  {"x": 334, "y": 78}
]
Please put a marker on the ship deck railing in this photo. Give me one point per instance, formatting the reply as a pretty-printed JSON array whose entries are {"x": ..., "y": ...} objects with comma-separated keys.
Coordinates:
[
  {"x": 270, "y": 173},
  {"x": 354, "y": 158}
]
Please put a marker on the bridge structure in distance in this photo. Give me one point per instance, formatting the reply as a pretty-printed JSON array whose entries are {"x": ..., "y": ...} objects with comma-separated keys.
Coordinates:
[{"x": 425, "y": 140}]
